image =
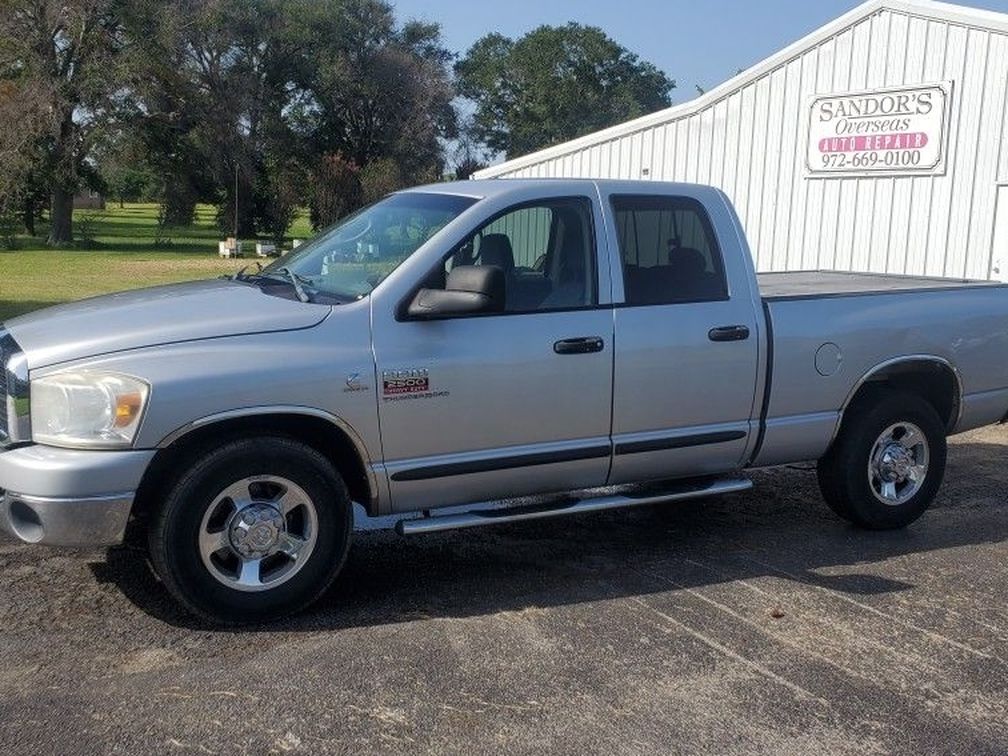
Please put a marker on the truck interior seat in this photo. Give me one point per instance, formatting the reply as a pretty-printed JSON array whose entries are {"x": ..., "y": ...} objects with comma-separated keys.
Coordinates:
[
  {"x": 570, "y": 288},
  {"x": 495, "y": 249},
  {"x": 684, "y": 279},
  {"x": 692, "y": 277},
  {"x": 523, "y": 290}
]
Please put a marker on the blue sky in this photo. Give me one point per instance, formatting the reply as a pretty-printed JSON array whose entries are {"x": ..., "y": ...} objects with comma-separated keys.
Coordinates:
[{"x": 700, "y": 42}]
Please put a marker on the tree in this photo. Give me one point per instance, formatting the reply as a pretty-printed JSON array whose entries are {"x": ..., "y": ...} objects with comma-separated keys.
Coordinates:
[
  {"x": 250, "y": 94},
  {"x": 119, "y": 160},
  {"x": 67, "y": 51},
  {"x": 372, "y": 91},
  {"x": 469, "y": 154},
  {"x": 213, "y": 80},
  {"x": 555, "y": 84},
  {"x": 284, "y": 195},
  {"x": 378, "y": 179},
  {"x": 337, "y": 189},
  {"x": 24, "y": 122}
]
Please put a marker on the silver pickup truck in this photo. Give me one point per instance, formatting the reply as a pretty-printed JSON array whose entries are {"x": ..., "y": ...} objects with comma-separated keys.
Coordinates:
[{"x": 595, "y": 344}]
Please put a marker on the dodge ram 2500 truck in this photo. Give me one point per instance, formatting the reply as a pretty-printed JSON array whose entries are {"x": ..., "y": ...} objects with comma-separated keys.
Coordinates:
[{"x": 455, "y": 345}]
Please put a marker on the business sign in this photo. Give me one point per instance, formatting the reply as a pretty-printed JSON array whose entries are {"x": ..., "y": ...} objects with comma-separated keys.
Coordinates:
[{"x": 884, "y": 131}]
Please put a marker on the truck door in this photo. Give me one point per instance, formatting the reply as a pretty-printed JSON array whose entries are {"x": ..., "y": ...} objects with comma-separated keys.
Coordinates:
[
  {"x": 493, "y": 406},
  {"x": 686, "y": 340}
]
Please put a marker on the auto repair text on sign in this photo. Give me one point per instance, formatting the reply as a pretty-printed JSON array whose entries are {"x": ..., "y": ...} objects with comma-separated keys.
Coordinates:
[{"x": 891, "y": 131}]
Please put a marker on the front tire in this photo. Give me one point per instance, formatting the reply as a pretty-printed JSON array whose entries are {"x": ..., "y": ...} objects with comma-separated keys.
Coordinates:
[
  {"x": 888, "y": 461},
  {"x": 253, "y": 531}
]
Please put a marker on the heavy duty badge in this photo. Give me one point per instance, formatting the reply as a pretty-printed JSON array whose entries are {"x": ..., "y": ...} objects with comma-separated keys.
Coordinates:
[{"x": 398, "y": 382}]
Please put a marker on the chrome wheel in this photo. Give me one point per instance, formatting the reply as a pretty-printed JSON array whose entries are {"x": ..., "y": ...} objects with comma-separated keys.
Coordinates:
[
  {"x": 258, "y": 533},
  {"x": 898, "y": 463}
]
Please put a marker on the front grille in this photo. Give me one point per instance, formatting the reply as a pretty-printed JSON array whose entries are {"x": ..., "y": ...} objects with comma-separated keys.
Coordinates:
[{"x": 15, "y": 420}]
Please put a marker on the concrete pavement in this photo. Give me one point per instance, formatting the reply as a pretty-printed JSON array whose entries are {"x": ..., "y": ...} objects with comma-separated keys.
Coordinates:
[{"x": 754, "y": 623}]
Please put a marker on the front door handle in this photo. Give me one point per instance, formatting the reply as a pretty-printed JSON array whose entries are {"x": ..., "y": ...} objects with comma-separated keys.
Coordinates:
[
  {"x": 729, "y": 333},
  {"x": 582, "y": 345}
]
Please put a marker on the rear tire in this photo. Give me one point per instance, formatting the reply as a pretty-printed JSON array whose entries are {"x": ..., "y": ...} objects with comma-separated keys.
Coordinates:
[
  {"x": 886, "y": 465},
  {"x": 253, "y": 531}
]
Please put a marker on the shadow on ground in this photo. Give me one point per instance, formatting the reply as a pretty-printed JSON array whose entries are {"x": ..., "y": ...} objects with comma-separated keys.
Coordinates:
[{"x": 781, "y": 528}]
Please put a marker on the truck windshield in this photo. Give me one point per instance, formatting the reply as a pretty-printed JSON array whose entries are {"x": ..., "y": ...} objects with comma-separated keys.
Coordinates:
[{"x": 349, "y": 259}]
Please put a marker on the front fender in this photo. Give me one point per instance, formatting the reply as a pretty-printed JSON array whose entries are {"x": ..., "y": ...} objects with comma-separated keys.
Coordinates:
[{"x": 308, "y": 370}]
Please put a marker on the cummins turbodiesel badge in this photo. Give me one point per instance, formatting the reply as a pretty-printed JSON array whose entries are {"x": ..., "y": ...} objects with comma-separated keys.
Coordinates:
[{"x": 893, "y": 131}]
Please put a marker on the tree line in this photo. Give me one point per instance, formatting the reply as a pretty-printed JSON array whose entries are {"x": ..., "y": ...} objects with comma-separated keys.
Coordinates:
[{"x": 280, "y": 104}]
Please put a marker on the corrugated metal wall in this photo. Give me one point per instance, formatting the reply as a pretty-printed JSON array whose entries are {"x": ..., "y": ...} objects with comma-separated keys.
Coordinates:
[
  {"x": 751, "y": 143},
  {"x": 528, "y": 230}
]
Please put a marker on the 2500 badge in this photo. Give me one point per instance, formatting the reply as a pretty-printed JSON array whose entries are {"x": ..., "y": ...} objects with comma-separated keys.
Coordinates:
[{"x": 398, "y": 382}]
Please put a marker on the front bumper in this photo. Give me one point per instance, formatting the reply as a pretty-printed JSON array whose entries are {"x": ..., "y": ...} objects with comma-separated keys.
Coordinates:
[{"x": 66, "y": 497}]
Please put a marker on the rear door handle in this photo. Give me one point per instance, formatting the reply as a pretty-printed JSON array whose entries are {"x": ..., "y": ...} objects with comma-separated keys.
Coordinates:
[
  {"x": 729, "y": 333},
  {"x": 581, "y": 345}
]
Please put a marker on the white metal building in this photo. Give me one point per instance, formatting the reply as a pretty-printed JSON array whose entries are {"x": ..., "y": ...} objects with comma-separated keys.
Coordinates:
[{"x": 877, "y": 143}]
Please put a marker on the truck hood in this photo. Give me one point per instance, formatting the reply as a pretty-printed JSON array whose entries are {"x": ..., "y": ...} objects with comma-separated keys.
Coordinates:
[{"x": 159, "y": 315}]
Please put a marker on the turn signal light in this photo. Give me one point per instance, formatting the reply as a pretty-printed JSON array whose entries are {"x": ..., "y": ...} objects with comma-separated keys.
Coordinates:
[{"x": 127, "y": 409}]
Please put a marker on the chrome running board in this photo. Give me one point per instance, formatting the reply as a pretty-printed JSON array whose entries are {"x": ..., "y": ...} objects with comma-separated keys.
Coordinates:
[{"x": 677, "y": 491}]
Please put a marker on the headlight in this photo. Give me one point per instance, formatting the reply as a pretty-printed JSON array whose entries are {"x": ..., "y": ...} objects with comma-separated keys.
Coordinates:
[{"x": 87, "y": 409}]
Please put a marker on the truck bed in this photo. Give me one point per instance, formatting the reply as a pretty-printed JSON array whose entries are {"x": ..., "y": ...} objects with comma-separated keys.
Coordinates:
[{"x": 818, "y": 284}]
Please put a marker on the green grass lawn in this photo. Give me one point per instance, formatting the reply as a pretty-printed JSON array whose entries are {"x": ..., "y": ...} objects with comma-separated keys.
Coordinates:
[{"x": 123, "y": 255}]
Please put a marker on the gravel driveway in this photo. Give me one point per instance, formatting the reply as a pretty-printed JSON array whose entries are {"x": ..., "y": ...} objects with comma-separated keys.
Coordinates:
[{"x": 750, "y": 623}]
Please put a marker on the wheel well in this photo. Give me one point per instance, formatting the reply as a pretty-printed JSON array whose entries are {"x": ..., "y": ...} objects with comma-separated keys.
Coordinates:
[
  {"x": 934, "y": 381},
  {"x": 318, "y": 433}
]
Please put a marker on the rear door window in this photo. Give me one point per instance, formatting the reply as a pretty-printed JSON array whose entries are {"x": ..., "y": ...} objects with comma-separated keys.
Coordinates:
[{"x": 668, "y": 250}]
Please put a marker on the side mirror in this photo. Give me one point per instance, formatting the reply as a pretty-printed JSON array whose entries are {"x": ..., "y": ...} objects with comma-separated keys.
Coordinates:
[{"x": 469, "y": 290}]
